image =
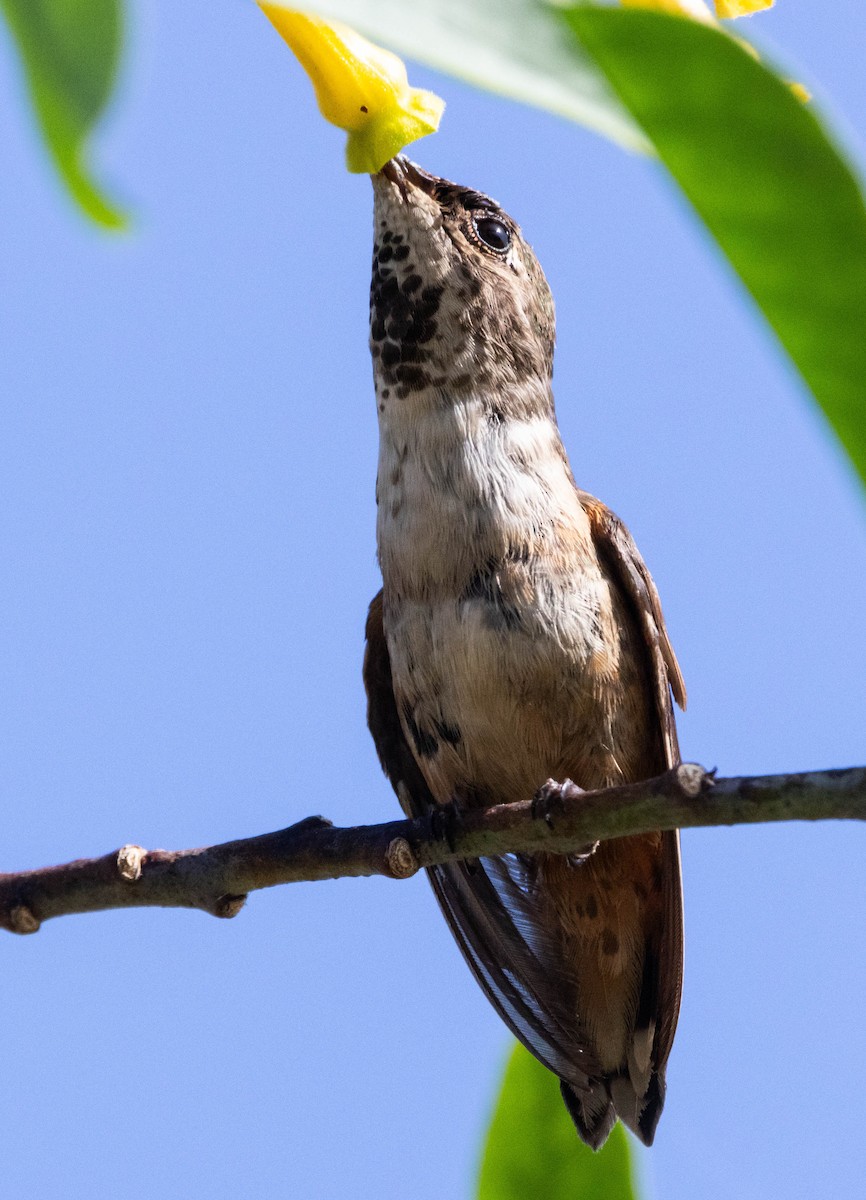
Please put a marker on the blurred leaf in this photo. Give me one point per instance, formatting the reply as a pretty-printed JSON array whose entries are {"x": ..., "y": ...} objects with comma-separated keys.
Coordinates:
[
  {"x": 70, "y": 50},
  {"x": 533, "y": 1151},
  {"x": 767, "y": 180},
  {"x": 517, "y": 48}
]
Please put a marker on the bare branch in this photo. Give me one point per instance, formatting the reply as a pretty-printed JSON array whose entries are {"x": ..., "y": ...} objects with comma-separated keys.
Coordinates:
[{"x": 216, "y": 879}]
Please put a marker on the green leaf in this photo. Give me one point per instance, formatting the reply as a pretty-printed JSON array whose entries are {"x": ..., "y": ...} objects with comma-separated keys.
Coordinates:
[
  {"x": 517, "y": 48},
  {"x": 533, "y": 1151},
  {"x": 767, "y": 180},
  {"x": 70, "y": 50}
]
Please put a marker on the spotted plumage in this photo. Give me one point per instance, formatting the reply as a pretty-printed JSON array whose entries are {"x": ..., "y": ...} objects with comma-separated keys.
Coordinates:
[{"x": 518, "y": 637}]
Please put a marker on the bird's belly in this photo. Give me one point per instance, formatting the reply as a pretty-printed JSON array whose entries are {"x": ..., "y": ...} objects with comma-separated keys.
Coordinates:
[{"x": 495, "y": 699}]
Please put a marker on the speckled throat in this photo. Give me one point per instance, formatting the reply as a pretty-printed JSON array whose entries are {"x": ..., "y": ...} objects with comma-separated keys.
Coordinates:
[{"x": 471, "y": 463}]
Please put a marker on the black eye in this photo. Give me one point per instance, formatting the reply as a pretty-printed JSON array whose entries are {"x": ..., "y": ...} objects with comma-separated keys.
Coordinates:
[{"x": 492, "y": 232}]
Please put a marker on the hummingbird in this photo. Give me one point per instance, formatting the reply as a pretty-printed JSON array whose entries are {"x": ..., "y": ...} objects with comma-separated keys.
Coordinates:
[{"x": 518, "y": 639}]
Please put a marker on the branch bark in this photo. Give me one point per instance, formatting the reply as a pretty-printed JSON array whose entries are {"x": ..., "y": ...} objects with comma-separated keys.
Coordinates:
[{"x": 216, "y": 879}]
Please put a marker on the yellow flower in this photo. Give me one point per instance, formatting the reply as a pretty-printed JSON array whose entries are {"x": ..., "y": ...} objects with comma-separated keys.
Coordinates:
[
  {"x": 359, "y": 87},
  {"x": 741, "y": 8},
  {"x": 699, "y": 10}
]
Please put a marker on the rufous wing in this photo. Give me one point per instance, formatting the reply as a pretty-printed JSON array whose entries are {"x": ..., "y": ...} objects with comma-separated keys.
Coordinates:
[{"x": 662, "y": 985}]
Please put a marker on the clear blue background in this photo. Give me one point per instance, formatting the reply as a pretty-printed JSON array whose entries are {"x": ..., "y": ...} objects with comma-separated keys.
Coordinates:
[{"x": 187, "y": 460}]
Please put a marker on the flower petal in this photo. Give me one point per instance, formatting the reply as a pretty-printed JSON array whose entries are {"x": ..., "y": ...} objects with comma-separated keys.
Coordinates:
[
  {"x": 741, "y": 8},
  {"x": 359, "y": 87}
]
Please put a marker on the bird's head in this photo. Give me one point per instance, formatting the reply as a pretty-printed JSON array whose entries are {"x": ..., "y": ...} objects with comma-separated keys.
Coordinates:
[{"x": 458, "y": 300}]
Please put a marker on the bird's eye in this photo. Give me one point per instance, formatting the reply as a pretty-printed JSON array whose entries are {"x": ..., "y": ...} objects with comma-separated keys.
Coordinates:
[{"x": 492, "y": 232}]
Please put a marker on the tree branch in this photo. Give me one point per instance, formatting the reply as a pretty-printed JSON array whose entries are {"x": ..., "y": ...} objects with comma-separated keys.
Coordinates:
[{"x": 216, "y": 879}]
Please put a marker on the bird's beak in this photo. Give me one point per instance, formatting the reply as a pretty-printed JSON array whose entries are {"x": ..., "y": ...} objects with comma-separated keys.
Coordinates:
[{"x": 405, "y": 175}]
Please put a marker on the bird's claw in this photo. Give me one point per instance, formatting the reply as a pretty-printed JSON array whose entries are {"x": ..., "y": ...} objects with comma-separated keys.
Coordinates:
[
  {"x": 550, "y": 797},
  {"x": 445, "y": 823}
]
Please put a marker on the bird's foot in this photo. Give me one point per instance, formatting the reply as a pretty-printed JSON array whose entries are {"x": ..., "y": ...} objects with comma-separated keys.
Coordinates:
[
  {"x": 576, "y": 858},
  {"x": 550, "y": 798},
  {"x": 445, "y": 823}
]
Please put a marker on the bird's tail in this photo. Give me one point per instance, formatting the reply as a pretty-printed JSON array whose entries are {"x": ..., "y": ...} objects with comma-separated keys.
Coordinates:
[{"x": 595, "y": 1112}]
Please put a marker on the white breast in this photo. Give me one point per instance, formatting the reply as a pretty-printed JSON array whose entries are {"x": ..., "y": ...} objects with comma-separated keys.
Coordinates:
[{"x": 456, "y": 494}]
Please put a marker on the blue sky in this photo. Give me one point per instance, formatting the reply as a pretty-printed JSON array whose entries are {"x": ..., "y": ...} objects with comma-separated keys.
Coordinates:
[{"x": 187, "y": 461}]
